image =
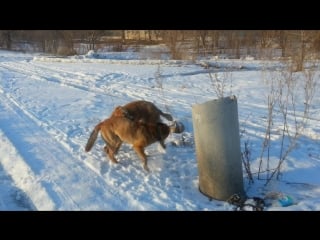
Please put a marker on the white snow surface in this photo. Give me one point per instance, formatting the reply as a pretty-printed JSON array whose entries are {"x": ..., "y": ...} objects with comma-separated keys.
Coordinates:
[{"x": 50, "y": 105}]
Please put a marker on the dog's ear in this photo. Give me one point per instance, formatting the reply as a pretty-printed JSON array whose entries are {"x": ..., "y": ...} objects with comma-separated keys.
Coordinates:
[
  {"x": 120, "y": 111},
  {"x": 126, "y": 113}
]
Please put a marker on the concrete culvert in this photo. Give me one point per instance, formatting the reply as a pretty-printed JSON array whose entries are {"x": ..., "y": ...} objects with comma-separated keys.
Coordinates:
[{"x": 217, "y": 141}]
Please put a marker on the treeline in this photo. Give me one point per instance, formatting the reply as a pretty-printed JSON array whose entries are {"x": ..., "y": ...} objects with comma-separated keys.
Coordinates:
[
  {"x": 181, "y": 43},
  {"x": 50, "y": 41}
]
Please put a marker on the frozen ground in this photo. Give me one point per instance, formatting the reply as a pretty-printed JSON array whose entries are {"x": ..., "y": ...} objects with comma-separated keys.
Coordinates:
[{"x": 49, "y": 106}]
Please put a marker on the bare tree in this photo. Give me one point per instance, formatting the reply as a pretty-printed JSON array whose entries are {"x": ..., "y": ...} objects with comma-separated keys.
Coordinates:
[
  {"x": 123, "y": 36},
  {"x": 202, "y": 37},
  {"x": 283, "y": 97},
  {"x": 283, "y": 42},
  {"x": 233, "y": 39},
  {"x": 266, "y": 145},
  {"x": 46, "y": 39},
  {"x": 214, "y": 39},
  {"x": 6, "y": 38},
  {"x": 299, "y": 58},
  {"x": 200, "y": 41},
  {"x": 264, "y": 38},
  {"x": 249, "y": 42},
  {"x": 91, "y": 37},
  {"x": 299, "y": 48},
  {"x": 171, "y": 38},
  {"x": 66, "y": 43},
  {"x": 316, "y": 42}
]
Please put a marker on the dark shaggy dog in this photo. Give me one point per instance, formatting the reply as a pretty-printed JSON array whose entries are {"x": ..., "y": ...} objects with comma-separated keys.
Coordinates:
[{"x": 141, "y": 111}]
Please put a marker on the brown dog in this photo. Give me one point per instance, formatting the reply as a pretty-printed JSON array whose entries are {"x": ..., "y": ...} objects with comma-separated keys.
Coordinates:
[
  {"x": 142, "y": 110},
  {"x": 140, "y": 134}
]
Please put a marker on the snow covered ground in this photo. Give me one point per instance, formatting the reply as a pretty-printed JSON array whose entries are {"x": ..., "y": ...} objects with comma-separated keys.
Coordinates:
[{"x": 49, "y": 106}]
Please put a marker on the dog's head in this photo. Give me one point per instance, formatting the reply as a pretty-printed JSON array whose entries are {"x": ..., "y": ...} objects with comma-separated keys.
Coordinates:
[{"x": 176, "y": 127}]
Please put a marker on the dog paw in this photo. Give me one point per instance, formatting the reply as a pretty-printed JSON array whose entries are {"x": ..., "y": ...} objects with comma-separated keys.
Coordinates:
[{"x": 145, "y": 167}]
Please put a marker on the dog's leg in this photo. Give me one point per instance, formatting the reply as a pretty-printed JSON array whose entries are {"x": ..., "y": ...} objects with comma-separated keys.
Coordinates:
[
  {"x": 110, "y": 152},
  {"x": 160, "y": 138},
  {"x": 118, "y": 145},
  {"x": 163, "y": 145},
  {"x": 140, "y": 151}
]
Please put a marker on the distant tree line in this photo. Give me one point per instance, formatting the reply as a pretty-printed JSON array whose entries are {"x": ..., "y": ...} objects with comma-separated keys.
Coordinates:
[
  {"x": 51, "y": 41},
  {"x": 181, "y": 43}
]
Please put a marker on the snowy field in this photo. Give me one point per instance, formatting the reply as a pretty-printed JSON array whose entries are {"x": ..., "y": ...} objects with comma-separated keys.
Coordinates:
[{"x": 50, "y": 105}]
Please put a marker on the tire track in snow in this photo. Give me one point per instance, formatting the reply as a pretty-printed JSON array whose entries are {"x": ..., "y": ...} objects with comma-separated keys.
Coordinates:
[
  {"x": 52, "y": 167},
  {"x": 120, "y": 88},
  {"x": 34, "y": 71},
  {"x": 38, "y": 75},
  {"x": 58, "y": 134},
  {"x": 126, "y": 201},
  {"x": 125, "y": 181}
]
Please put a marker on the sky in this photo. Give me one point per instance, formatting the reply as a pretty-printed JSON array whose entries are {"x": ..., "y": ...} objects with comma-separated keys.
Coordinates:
[{"x": 49, "y": 106}]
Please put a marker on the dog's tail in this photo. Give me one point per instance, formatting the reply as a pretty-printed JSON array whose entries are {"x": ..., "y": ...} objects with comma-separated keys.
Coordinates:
[
  {"x": 92, "y": 138},
  {"x": 166, "y": 115}
]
